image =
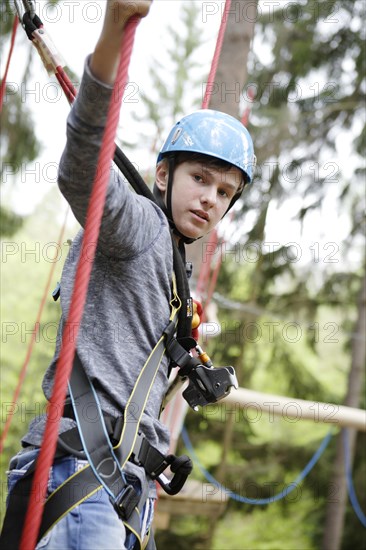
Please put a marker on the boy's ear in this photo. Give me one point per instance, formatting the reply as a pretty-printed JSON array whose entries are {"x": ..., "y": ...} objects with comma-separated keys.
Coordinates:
[{"x": 162, "y": 175}]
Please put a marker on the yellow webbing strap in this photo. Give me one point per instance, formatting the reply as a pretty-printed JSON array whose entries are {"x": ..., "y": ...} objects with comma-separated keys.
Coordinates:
[{"x": 131, "y": 424}]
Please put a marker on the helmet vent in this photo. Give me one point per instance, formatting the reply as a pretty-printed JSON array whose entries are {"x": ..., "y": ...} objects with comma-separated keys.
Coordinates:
[{"x": 176, "y": 135}]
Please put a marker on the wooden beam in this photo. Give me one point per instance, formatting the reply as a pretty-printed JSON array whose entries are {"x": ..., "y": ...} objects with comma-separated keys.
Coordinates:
[
  {"x": 241, "y": 400},
  {"x": 196, "y": 498}
]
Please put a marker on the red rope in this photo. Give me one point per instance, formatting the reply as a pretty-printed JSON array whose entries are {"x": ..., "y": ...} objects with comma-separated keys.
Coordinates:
[
  {"x": 34, "y": 337},
  {"x": 3, "y": 82},
  {"x": 216, "y": 57},
  {"x": 204, "y": 274},
  {"x": 214, "y": 275},
  {"x": 66, "y": 84},
  {"x": 91, "y": 232},
  {"x": 205, "y": 269}
]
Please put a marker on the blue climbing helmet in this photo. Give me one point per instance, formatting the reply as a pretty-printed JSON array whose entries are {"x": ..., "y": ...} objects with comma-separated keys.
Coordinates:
[
  {"x": 215, "y": 134},
  {"x": 210, "y": 133}
]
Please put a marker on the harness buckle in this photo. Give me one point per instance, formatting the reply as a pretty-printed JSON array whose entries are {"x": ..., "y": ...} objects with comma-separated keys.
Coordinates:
[
  {"x": 126, "y": 502},
  {"x": 145, "y": 455}
]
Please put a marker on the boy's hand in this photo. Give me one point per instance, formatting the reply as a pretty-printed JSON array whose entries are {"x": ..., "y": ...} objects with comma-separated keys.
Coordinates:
[
  {"x": 105, "y": 59},
  {"x": 118, "y": 12}
]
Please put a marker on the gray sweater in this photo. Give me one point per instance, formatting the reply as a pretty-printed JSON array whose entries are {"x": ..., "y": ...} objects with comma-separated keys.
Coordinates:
[{"x": 127, "y": 305}]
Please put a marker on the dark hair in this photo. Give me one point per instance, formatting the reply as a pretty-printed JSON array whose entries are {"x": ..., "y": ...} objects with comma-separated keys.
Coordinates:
[{"x": 185, "y": 156}]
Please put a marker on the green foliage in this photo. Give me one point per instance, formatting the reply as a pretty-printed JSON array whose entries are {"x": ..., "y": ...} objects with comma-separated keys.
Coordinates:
[
  {"x": 273, "y": 297},
  {"x": 287, "y": 328},
  {"x": 7, "y": 13},
  {"x": 19, "y": 143},
  {"x": 26, "y": 263},
  {"x": 354, "y": 537},
  {"x": 171, "y": 77},
  {"x": 9, "y": 222},
  {"x": 289, "y": 531}
]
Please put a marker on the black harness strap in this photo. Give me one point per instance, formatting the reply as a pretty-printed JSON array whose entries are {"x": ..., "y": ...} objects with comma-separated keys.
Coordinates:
[
  {"x": 106, "y": 463},
  {"x": 16, "y": 510},
  {"x": 136, "y": 181},
  {"x": 98, "y": 448},
  {"x": 67, "y": 496}
]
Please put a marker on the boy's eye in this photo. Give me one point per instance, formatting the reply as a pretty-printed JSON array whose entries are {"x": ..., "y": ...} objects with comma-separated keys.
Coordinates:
[
  {"x": 197, "y": 177},
  {"x": 223, "y": 193}
]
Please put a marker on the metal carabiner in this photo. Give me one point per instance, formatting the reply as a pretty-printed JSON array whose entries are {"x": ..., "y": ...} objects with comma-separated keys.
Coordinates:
[
  {"x": 28, "y": 6},
  {"x": 19, "y": 10}
]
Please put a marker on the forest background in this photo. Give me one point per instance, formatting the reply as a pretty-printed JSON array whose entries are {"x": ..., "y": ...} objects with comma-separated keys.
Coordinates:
[{"x": 290, "y": 292}]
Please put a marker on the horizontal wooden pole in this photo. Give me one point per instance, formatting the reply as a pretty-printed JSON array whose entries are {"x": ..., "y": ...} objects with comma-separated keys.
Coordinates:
[{"x": 293, "y": 409}]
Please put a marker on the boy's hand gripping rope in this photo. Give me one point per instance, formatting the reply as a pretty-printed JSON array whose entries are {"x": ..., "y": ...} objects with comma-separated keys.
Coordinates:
[{"x": 91, "y": 232}]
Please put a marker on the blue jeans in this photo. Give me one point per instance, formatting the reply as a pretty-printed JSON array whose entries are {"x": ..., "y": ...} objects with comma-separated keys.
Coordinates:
[{"x": 92, "y": 525}]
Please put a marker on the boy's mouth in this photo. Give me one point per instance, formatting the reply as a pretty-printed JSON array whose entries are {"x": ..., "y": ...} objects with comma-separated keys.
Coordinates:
[{"x": 201, "y": 214}]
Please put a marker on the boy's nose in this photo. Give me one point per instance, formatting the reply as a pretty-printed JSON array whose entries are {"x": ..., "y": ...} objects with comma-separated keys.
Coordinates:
[{"x": 209, "y": 195}]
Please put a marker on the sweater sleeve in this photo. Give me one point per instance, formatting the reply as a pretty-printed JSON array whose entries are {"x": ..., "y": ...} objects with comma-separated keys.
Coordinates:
[{"x": 130, "y": 223}]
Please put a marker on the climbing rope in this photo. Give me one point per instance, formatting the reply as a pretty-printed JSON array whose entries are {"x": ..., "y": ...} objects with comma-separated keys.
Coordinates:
[
  {"x": 204, "y": 273},
  {"x": 66, "y": 84},
  {"x": 207, "y": 278},
  {"x": 213, "y": 239},
  {"x": 291, "y": 486},
  {"x": 257, "y": 501},
  {"x": 51, "y": 60},
  {"x": 91, "y": 232},
  {"x": 351, "y": 490}
]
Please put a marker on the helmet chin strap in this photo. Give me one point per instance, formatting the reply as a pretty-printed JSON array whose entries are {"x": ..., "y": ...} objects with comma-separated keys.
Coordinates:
[{"x": 167, "y": 208}]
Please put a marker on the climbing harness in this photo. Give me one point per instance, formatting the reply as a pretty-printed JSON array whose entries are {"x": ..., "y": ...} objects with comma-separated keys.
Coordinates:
[{"x": 94, "y": 442}]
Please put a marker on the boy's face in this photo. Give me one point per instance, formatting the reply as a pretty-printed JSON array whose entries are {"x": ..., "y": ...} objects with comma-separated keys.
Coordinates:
[{"x": 200, "y": 195}]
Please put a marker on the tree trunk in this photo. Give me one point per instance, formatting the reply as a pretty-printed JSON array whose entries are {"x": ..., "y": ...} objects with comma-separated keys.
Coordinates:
[
  {"x": 227, "y": 92},
  {"x": 231, "y": 76},
  {"x": 336, "y": 508}
]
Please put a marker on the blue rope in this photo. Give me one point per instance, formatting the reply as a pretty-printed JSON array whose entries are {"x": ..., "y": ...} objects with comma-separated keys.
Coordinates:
[
  {"x": 351, "y": 490},
  {"x": 258, "y": 501}
]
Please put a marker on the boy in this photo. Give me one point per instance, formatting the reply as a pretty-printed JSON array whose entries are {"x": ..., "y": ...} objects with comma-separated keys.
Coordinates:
[{"x": 201, "y": 170}]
